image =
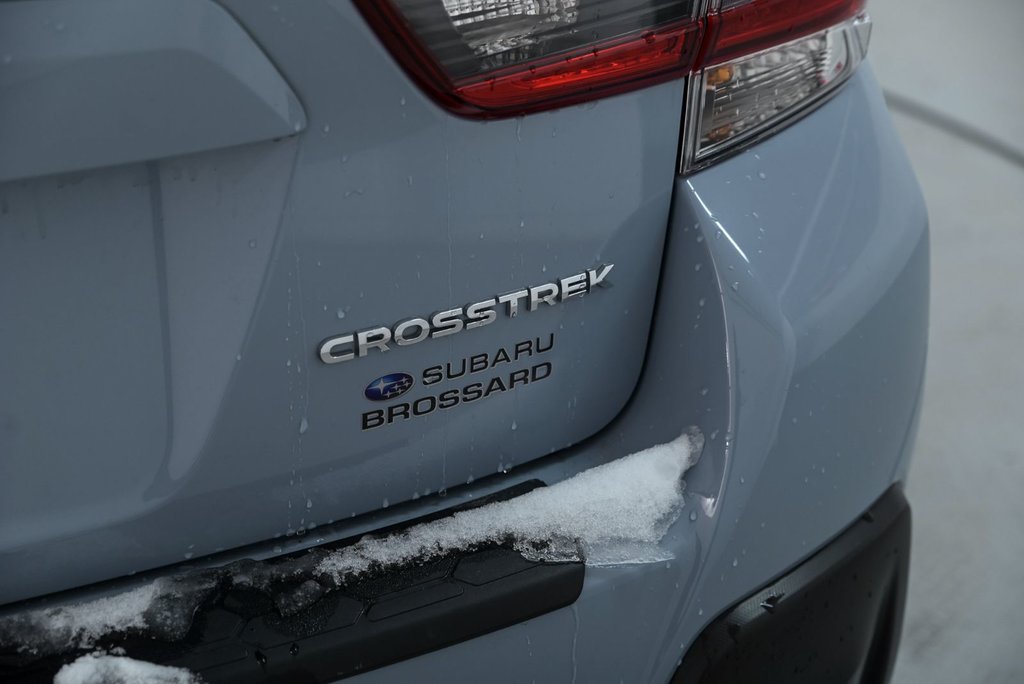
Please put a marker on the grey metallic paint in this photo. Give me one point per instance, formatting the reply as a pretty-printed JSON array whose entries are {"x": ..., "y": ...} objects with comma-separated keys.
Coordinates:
[
  {"x": 106, "y": 82},
  {"x": 790, "y": 326},
  {"x": 191, "y": 414},
  {"x": 814, "y": 405}
]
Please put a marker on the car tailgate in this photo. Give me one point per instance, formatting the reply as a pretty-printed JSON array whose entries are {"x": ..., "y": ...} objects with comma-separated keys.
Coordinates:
[{"x": 165, "y": 390}]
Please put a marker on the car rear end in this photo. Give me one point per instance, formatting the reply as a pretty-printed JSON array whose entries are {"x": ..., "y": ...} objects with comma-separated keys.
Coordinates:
[{"x": 274, "y": 277}]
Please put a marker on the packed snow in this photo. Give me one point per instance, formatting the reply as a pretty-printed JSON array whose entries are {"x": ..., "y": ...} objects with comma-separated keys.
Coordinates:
[
  {"x": 616, "y": 513},
  {"x": 163, "y": 608},
  {"x": 99, "y": 668},
  {"x": 80, "y": 625}
]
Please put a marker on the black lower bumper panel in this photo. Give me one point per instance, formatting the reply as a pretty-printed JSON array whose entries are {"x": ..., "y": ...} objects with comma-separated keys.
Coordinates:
[{"x": 834, "y": 618}]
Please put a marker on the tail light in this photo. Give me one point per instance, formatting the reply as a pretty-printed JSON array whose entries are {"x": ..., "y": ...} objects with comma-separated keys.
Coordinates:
[
  {"x": 750, "y": 64},
  {"x": 495, "y": 58},
  {"x": 763, "y": 61}
]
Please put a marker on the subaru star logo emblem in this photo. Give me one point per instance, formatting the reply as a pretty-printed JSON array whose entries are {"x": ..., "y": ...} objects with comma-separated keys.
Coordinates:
[{"x": 388, "y": 386}]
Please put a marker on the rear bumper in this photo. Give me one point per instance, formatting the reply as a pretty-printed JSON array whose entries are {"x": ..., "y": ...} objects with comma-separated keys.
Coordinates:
[{"x": 834, "y": 618}]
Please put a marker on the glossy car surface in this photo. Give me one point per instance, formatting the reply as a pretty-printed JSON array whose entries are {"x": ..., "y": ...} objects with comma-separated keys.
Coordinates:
[{"x": 165, "y": 297}]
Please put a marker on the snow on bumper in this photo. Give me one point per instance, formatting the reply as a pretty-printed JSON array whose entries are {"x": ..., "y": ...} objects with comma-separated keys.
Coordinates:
[{"x": 614, "y": 513}]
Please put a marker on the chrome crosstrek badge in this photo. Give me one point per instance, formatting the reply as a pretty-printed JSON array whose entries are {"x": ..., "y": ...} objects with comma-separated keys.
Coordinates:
[{"x": 450, "y": 321}]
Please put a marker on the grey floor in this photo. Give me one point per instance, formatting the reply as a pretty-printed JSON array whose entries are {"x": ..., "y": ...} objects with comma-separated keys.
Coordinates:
[{"x": 952, "y": 71}]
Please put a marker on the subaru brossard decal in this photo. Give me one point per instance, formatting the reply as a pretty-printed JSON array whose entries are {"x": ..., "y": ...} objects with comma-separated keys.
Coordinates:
[
  {"x": 472, "y": 378},
  {"x": 450, "y": 321},
  {"x": 389, "y": 387}
]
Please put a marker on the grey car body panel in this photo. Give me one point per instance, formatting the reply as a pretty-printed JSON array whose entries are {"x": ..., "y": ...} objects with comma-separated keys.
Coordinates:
[
  {"x": 105, "y": 82},
  {"x": 790, "y": 326},
  {"x": 810, "y": 416},
  {"x": 163, "y": 398},
  {"x": 741, "y": 363}
]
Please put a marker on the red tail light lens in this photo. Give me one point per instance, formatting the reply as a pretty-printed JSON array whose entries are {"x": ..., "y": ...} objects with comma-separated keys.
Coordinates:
[
  {"x": 602, "y": 70},
  {"x": 742, "y": 27},
  {"x": 494, "y": 58},
  {"x": 751, "y": 63}
]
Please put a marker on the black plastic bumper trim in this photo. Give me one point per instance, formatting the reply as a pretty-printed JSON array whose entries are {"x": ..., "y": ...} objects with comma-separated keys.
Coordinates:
[{"x": 834, "y": 618}]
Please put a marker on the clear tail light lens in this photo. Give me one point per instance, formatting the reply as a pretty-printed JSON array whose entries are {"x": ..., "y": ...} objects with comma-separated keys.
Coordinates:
[
  {"x": 764, "y": 61},
  {"x": 752, "y": 64}
]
